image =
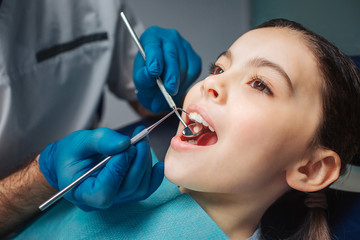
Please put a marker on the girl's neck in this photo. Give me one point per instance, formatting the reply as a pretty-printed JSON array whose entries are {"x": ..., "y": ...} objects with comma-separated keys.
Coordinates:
[{"x": 238, "y": 216}]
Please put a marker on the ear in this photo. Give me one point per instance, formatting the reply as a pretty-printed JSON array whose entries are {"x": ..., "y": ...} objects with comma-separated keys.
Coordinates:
[{"x": 314, "y": 172}]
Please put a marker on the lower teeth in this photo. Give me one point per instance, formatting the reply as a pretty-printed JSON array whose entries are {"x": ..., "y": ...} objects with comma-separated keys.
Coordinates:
[
  {"x": 196, "y": 129},
  {"x": 192, "y": 142}
]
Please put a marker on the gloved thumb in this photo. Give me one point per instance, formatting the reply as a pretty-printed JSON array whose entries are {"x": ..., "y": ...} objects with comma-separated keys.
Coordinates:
[
  {"x": 100, "y": 191},
  {"x": 157, "y": 177},
  {"x": 138, "y": 130}
]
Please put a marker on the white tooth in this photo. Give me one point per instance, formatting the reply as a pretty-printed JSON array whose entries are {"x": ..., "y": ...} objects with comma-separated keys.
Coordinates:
[
  {"x": 196, "y": 129},
  {"x": 193, "y": 116},
  {"x": 192, "y": 142},
  {"x": 211, "y": 129},
  {"x": 197, "y": 117}
]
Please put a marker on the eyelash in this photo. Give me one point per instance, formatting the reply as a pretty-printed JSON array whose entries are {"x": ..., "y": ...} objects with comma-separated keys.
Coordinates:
[
  {"x": 215, "y": 69},
  {"x": 258, "y": 79}
]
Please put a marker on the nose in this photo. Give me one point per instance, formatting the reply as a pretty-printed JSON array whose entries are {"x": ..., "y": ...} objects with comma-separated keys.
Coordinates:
[{"x": 214, "y": 88}]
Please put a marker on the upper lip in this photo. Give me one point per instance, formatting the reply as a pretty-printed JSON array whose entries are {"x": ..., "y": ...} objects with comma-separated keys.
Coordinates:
[{"x": 197, "y": 109}]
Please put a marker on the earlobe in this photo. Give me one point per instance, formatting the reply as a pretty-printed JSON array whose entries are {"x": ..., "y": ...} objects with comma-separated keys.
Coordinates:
[{"x": 315, "y": 172}]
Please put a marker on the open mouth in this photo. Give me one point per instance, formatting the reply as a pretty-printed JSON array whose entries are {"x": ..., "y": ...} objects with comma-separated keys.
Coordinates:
[{"x": 206, "y": 137}]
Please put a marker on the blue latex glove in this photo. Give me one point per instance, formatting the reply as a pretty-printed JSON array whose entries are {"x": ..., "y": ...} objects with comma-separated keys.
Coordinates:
[
  {"x": 172, "y": 58},
  {"x": 128, "y": 176}
]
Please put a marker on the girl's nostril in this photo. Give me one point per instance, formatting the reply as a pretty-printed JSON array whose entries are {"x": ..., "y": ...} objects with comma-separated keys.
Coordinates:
[{"x": 213, "y": 92}]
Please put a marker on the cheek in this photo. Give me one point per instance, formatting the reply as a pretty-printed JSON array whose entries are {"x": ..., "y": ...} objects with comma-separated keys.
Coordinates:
[
  {"x": 262, "y": 138},
  {"x": 247, "y": 124},
  {"x": 249, "y": 163}
]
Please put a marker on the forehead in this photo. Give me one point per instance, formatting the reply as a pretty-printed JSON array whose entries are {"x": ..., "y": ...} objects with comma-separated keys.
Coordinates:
[
  {"x": 287, "y": 48},
  {"x": 278, "y": 44}
]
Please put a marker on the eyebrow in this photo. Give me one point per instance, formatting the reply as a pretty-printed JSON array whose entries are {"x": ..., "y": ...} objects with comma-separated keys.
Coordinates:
[
  {"x": 226, "y": 54},
  {"x": 263, "y": 62}
]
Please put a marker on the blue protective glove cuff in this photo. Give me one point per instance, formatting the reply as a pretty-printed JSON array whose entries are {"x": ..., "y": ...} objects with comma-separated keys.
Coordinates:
[{"x": 44, "y": 164}]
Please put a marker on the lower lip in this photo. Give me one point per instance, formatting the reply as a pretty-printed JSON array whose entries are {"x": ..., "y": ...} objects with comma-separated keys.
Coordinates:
[{"x": 177, "y": 144}]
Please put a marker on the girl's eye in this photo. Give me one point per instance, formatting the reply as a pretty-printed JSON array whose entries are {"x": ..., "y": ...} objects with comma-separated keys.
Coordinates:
[
  {"x": 215, "y": 69},
  {"x": 260, "y": 85}
]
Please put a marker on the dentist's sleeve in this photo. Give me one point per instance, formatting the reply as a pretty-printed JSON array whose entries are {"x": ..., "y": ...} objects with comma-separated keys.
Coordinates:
[{"x": 120, "y": 79}]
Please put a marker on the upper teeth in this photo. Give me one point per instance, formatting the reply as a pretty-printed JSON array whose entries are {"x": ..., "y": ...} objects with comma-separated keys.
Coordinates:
[{"x": 197, "y": 117}]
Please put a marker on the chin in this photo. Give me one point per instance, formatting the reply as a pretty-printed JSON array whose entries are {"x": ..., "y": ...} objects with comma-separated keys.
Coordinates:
[
  {"x": 178, "y": 168},
  {"x": 171, "y": 165}
]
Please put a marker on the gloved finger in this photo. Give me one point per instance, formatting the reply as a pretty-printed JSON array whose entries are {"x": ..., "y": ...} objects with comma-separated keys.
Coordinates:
[
  {"x": 158, "y": 103},
  {"x": 153, "y": 50},
  {"x": 142, "y": 78},
  {"x": 137, "y": 170},
  {"x": 194, "y": 64},
  {"x": 154, "y": 58},
  {"x": 137, "y": 130},
  {"x": 139, "y": 61},
  {"x": 189, "y": 75},
  {"x": 151, "y": 181},
  {"x": 70, "y": 170},
  {"x": 157, "y": 176},
  {"x": 142, "y": 188},
  {"x": 145, "y": 96},
  {"x": 100, "y": 190},
  {"x": 102, "y": 140},
  {"x": 85, "y": 208},
  {"x": 174, "y": 61}
]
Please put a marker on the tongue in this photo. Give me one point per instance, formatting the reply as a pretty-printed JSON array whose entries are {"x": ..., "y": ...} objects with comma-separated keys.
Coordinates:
[{"x": 207, "y": 139}]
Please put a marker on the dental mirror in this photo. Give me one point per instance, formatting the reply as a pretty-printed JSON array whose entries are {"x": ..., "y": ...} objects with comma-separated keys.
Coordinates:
[{"x": 193, "y": 129}]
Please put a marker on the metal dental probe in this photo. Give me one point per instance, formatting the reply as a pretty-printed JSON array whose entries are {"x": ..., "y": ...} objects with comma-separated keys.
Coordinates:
[
  {"x": 133, "y": 140},
  {"x": 187, "y": 131}
]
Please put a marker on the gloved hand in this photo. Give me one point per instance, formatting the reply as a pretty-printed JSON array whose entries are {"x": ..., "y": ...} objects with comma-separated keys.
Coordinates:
[
  {"x": 128, "y": 176},
  {"x": 172, "y": 58}
]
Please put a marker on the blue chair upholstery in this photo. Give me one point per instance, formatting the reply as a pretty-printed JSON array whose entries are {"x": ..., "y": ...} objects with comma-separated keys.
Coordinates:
[
  {"x": 344, "y": 206},
  {"x": 344, "y": 214},
  {"x": 356, "y": 60}
]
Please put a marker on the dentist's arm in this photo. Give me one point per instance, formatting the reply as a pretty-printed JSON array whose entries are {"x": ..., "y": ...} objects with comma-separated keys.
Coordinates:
[{"x": 20, "y": 195}]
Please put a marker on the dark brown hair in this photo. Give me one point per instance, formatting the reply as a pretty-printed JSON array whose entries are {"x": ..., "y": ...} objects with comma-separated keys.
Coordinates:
[{"x": 339, "y": 129}]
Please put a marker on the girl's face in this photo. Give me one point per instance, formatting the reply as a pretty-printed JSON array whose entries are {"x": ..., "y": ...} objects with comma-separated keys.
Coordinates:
[{"x": 263, "y": 99}]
